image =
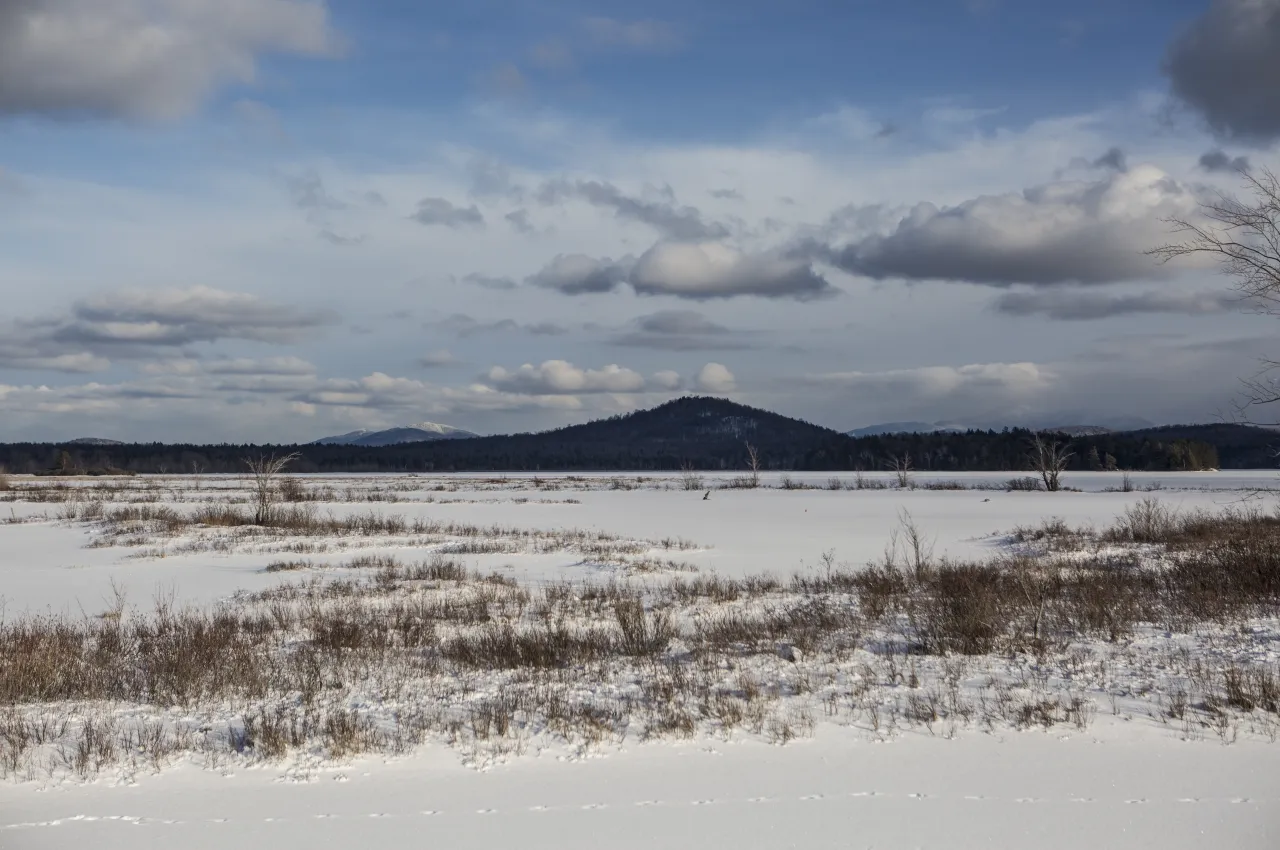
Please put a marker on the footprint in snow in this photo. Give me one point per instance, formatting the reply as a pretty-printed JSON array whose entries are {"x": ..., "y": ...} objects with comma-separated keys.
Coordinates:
[
  {"x": 703, "y": 802},
  {"x": 812, "y": 797},
  {"x": 649, "y": 803}
]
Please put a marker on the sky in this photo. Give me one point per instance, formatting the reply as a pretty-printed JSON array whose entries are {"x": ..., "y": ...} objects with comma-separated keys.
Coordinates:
[{"x": 276, "y": 220}]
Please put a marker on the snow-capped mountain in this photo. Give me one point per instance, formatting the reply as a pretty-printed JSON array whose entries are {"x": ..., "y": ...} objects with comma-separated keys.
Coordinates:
[{"x": 420, "y": 432}]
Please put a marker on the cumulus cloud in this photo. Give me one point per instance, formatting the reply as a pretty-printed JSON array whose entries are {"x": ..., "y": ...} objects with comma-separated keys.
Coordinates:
[
  {"x": 715, "y": 378},
  {"x": 147, "y": 59},
  {"x": 1225, "y": 66},
  {"x": 1219, "y": 161},
  {"x": 1114, "y": 159},
  {"x": 442, "y": 212},
  {"x": 667, "y": 380},
  {"x": 705, "y": 270},
  {"x": 382, "y": 392},
  {"x": 678, "y": 330},
  {"x": 672, "y": 221},
  {"x": 938, "y": 381},
  {"x": 561, "y": 377},
  {"x": 694, "y": 270},
  {"x": 575, "y": 274},
  {"x": 1067, "y": 305},
  {"x": 28, "y": 358},
  {"x": 1086, "y": 232}
]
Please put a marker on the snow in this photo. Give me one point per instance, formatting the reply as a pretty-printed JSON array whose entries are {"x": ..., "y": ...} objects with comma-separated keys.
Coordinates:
[{"x": 1125, "y": 781}]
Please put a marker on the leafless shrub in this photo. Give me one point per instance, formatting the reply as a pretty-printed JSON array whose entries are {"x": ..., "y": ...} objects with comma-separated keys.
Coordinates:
[
  {"x": 1026, "y": 484},
  {"x": 5, "y": 484},
  {"x": 753, "y": 464},
  {"x": 902, "y": 466},
  {"x": 264, "y": 471},
  {"x": 689, "y": 478},
  {"x": 1048, "y": 458}
]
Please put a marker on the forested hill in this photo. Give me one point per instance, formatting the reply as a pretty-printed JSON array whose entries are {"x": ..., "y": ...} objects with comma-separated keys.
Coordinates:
[{"x": 706, "y": 433}]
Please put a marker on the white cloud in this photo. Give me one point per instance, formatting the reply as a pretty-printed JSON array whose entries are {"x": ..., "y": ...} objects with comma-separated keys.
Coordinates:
[
  {"x": 562, "y": 377},
  {"x": 150, "y": 59},
  {"x": 715, "y": 378},
  {"x": 1055, "y": 233}
]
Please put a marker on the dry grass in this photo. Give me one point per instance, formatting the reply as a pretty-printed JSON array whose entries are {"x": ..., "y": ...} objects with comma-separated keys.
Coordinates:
[{"x": 385, "y": 654}]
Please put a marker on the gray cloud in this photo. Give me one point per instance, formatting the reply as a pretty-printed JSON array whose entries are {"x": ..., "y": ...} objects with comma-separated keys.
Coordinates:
[
  {"x": 136, "y": 323},
  {"x": 435, "y": 359},
  {"x": 693, "y": 270},
  {"x": 678, "y": 330},
  {"x": 668, "y": 219},
  {"x": 1113, "y": 159},
  {"x": 1079, "y": 306},
  {"x": 1218, "y": 161},
  {"x": 575, "y": 274},
  {"x": 519, "y": 221},
  {"x": 265, "y": 366},
  {"x": 462, "y": 325},
  {"x": 726, "y": 194},
  {"x": 1057, "y": 233},
  {"x": 439, "y": 211},
  {"x": 709, "y": 270},
  {"x": 501, "y": 284},
  {"x": 1225, "y": 66},
  {"x": 308, "y": 193},
  {"x": 338, "y": 239},
  {"x": 148, "y": 59}
]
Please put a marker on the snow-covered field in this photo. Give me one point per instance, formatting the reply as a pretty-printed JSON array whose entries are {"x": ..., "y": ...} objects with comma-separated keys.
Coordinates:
[{"x": 853, "y": 744}]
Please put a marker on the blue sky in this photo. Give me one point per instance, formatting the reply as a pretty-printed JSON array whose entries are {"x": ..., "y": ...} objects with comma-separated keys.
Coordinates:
[{"x": 277, "y": 219}]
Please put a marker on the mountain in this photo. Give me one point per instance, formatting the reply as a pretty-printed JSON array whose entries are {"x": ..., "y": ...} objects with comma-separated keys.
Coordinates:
[
  {"x": 906, "y": 428},
  {"x": 422, "y": 432},
  {"x": 94, "y": 441}
]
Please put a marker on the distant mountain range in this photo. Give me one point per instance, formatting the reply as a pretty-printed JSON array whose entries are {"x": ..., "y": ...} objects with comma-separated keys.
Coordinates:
[
  {"x": 94, "y": 441},
  {"x": 704, "y": 433},
  {"x": 1107, "y": 426},
  {"x": 422, "y": 432}
]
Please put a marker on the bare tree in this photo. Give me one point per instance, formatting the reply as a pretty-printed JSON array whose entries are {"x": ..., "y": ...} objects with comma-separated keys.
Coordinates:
[
  {"x": 753, "y": 463},
  {"x": 902, "y": 467},
  {"x": 1049, "y": 458},
  {"x": 265, "y": 469},
  {"x": 689, "y": 478},
  {"x": 1244, "y": 239}
]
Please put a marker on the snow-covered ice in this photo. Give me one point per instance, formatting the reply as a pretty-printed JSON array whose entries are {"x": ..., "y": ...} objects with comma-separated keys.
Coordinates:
[{"x": 1124, "y": 781}]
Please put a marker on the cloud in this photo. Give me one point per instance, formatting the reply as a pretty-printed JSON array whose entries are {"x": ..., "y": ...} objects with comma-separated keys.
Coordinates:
[
  {"x": 561, "y": 377},
  {"x": 22, "y": 356},
  {"x": 1225, "y": 67},
  {"x": 704, "y": 270},
  {"x": 519, "y": 221},
  {"x": 1113, "y": 159},
  {"x": 145, "y": 59},
  {"x": 647, "y": 36},
  {"x": 338, "y": 239},
  {"x": 1218, "y": 161},
  {"x": 437, "y": 358},
  {"x": 575, "y": 274},
  {"x": 1079, "y": 306},
  {"x": 667, "y": 380},
  {"x": 693, "y": 270},
  {"x": 669, "y": 220},
  {"x": 438, "y": 211},
  {"x": 1057, "y": 233},
  {"x": 553, "y": 55},
  {"x": 266, "y": 366},
  {"x": 715, "y": 378},
  {"x": 940, "y": 381},
  {"x": 462, "y": 325},
  {"x": 176, "y": 317},
  {"x": 678, "y": 330},
  {"x": 726, "y": 194},
  {"x": 308, "y": 193},
  {"x": 501, "y": 284},
  {"x": 133, "y": 323},
  {"x": 382, "y": 392}
]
